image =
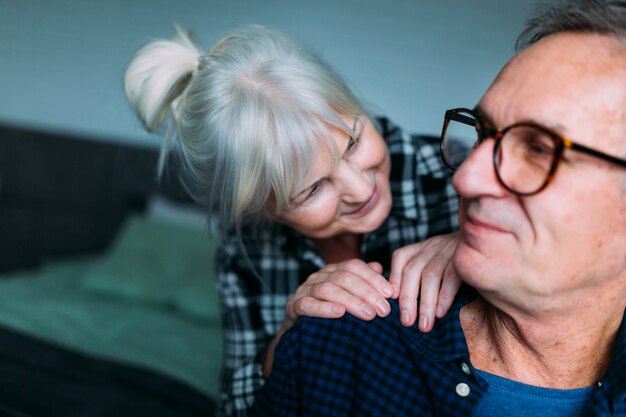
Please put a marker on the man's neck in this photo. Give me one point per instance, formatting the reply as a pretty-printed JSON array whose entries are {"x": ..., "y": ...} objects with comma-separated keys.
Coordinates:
[{"x": 568, "y": 352}]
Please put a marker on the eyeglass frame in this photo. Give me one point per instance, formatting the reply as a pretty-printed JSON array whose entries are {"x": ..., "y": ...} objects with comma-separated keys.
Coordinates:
[{"x": 487, "y": 131}]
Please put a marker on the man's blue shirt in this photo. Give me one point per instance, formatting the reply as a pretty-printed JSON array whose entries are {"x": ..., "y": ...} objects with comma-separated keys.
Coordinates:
[{"x": 350, "y": 367}]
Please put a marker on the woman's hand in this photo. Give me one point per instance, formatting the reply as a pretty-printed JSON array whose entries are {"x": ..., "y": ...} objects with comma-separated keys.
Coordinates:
[
  {"x": 353, "y": 286},
  {"x": 426, "y": 265}
]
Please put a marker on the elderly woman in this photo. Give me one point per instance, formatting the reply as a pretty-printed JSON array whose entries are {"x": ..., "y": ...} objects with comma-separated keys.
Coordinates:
[{"x": 311, "y": 196}]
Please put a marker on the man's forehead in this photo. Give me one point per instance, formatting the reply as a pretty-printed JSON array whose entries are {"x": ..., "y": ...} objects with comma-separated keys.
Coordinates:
[
  {"x": 560, "y": 74},
  {"x": 580, "y": 54}
]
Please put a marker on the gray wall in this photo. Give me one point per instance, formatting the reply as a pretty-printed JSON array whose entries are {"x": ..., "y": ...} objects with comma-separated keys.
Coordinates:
[{"x": 62, "y": 61}]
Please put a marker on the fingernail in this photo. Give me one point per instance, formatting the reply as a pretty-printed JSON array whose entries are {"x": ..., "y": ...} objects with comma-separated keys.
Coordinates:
[
  {"x": 423, "y": 322},
  {"x": 405, "y": 317},
  {"x": 387, "y": 290},
  {"x": 367, "y": 311},
  {"x": 382, "y": 307},
  {"x": 439, "y": 311},
  {"x": 396, "y": 289}
]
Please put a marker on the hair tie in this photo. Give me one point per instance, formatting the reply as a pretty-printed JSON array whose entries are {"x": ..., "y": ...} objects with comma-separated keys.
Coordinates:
[{"x": 203, "y": 61}]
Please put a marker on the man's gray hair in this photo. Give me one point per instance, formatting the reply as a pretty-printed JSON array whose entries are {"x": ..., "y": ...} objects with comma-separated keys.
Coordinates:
[
  {"x": 247, "y": 118},
  {"x": 584, "y": 16}
]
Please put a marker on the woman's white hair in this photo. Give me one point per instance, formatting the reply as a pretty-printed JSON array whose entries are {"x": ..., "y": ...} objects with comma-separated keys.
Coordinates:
[{"x": 246, "y": 118}]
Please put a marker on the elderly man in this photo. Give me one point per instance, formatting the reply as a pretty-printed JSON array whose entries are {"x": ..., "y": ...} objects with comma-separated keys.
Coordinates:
[{"x": 541, "y": 173}]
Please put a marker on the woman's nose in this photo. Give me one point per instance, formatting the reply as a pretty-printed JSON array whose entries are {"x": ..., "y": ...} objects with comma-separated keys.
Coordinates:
[{"x": 357, "y": 184}]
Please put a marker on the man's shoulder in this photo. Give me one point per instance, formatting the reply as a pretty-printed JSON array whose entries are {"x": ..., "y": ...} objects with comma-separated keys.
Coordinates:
[
  {"x": 384, "y": 335},
  {"x": 349, "y": 326},
  {"x": 350, "y": 336},
  {"x": 324, "y": 364},
  {"x": 345, "y": 337}
]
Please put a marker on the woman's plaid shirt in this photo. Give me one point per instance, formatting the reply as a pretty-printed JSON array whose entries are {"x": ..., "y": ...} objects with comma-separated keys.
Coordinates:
[{"x": 255, "y": 284}]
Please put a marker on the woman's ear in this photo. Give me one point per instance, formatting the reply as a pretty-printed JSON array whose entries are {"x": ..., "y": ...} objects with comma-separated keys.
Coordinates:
[{"x": 271, "y": 211}]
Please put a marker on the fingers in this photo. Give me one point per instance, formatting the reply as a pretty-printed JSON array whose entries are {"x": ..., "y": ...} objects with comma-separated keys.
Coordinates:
[
  {"x": 353, "y": 291},
  {"x": 411, "y": 279},
  {"x": 449, "y": 287},
  {"x": 407, "y": 265},
  {"x": 376, "y": 266},
  {"x": 371, "y": 273},
  {"x": 432, "y": 277},
  {"x": 352, "y": 286},
  {"x": 399, "y": 260},
  {"x": 423, "y": 270},
  {"x": 345, "y": 272},
  {"x": 431, "y": 281},
  {"x": 309, "y": 306}
]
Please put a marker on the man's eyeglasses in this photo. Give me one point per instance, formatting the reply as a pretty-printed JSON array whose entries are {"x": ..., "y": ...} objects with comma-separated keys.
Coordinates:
[{"x": 525, "y": 155}]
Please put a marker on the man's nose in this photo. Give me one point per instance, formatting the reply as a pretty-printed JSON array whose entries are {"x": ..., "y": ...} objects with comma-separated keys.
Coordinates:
[{"x": 476, "y": 175}]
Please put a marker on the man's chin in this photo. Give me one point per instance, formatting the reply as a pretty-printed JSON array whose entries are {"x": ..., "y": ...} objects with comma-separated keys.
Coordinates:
[{"x": 473, "y": 267}]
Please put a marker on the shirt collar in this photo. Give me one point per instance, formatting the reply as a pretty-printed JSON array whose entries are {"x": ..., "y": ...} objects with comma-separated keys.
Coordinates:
[
  {"x": 615, "y": 378},
  {"x": 446, "y": 342}
]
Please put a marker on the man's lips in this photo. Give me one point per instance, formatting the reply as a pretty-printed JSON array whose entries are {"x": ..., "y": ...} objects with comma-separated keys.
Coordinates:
[
  {"x": 368, "y": 205},
  {"x": 476, "y": 222}
]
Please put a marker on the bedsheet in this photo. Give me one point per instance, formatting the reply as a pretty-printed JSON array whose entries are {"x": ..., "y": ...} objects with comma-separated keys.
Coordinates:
[
  {"x": 51, "y": 304},
  {"x": 42, "y": 379}
]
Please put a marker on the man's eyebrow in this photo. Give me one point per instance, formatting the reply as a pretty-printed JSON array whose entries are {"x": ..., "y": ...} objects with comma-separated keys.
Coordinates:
[
  {"x": 479, "y": 111},
  {"x": 555, "y": 126}
]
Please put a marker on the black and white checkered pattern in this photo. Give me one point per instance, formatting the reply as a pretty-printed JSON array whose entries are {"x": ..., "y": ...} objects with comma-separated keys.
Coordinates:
[{"x": 424, "y": 204}]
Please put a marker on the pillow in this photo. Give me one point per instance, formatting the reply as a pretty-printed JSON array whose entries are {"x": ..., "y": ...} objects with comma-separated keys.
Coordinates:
[{"x": 160, "y": 262}]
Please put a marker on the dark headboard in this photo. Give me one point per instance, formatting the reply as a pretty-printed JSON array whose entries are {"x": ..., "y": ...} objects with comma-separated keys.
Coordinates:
[{"x": 63, "y": 196}]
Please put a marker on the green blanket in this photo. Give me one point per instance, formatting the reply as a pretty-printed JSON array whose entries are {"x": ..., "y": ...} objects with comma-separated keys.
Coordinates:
[{"x": 150, "y": 301}]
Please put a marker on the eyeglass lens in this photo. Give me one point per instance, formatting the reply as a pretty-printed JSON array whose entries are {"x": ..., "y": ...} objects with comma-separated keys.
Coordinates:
[
  {"x": 523, "y": 157},
  {"x": 460, "y": 137}
]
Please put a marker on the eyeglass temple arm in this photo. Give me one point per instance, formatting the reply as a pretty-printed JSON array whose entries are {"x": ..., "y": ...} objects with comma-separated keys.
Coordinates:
[
  {"x": 488, "y": 131},
  {"x": 593, "y": 152},
  {"x": 461, "y": 118}
]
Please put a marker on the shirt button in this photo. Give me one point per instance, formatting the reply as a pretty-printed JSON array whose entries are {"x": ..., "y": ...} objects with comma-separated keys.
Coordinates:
[
  {"x": 465, "y": 368},
  {"x": 462, "y": 389}
]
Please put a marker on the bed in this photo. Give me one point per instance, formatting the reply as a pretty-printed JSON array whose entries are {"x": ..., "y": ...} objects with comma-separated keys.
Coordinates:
[{"x": 107, "y": 297}]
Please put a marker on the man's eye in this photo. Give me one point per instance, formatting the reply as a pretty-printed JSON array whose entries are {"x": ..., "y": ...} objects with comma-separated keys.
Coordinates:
[
  {"x": 539, "y": 149},
  {"x": 535, "y": 144}
]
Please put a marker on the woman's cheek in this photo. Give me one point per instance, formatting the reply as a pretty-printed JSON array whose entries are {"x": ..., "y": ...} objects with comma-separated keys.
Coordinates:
[{"x": 318, "y": 220}]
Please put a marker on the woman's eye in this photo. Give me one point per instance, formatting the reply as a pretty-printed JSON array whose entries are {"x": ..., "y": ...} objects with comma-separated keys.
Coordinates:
[
  {"x": 315, "y": 189},
  {"x": 353, "y": 143}
]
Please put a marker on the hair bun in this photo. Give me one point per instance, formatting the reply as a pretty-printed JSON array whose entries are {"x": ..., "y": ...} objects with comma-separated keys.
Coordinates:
[{"x": 159, "y": 73}]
